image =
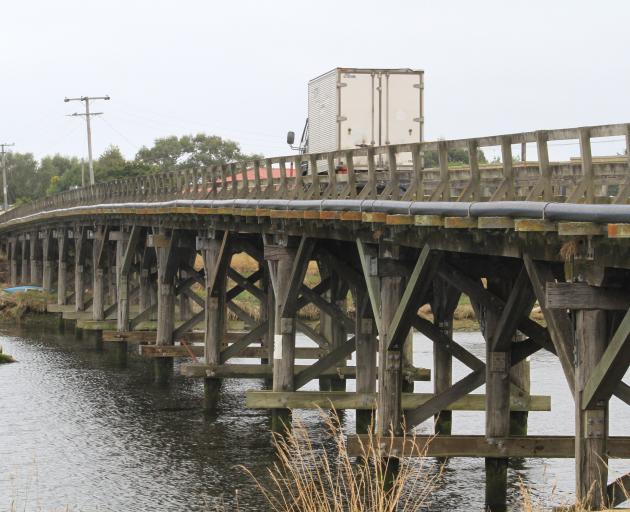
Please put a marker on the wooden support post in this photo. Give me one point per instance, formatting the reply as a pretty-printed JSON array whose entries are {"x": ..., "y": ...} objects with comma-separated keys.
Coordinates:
[
  {"x": 497, "y": 402},
  {"x": 112, "y": 277},
  {"x": 445, "y": 300},
  {"x": 267, "y": 313},
  {"x": 216, "y": 255},
  {"x": 591, "y": 424},
  {"x": 62, "y": 255},
  {"x": 520, "y": 378},
  {"x": 271, "y": 318},
  {"x": 326, "y": 320},
  {"x": 167, "y": 262},
  {"x": 185, "y": 311},
  {"x": 25, "y": 277},
  {"x": 47, "y": 270},
  {"x": 98, "y": 285},
  {"x": 287, "y": 267},
  {"x": 144, "y": 294},
  {"x": 366, "y": 348},
  {"x": 125, "y": 252},
  {"x": 36, "y": 261},
  {"x": 284, "y": 336},
  {"x": 13, "y": 261},
  {"x": 338, "y": 330},
  {"x": 390, "y": 361},
  {"x": 146, "y": 297},
  {"x": 79, "y": 269}
]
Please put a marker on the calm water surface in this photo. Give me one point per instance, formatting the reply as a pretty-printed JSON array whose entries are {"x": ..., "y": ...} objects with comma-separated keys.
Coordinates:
[{"x": 80, "y": 430}]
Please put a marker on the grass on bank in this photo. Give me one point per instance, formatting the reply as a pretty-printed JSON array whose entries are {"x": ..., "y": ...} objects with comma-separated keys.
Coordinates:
[
  {"x": 14, "y": 306},
  {"x": 308, "y": 477},
  {"x": 311, "y": 475}
]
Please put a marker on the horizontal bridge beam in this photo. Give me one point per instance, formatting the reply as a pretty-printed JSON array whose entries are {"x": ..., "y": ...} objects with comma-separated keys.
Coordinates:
[
  {"x": 585, "y": 296},
  {"x": 552, "y": 447},
  {"x": 259, "y": 371},
  {"x": 148, "y": 336},
  {"x": 199, "y": 350},
  {"x": 349, "y": 400}
]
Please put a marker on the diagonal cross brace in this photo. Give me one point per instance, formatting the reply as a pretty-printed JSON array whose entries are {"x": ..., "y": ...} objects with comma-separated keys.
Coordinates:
[
  {"x": 558, "y": 322},
  {"x": 518, "y": 306},
  {"x": 472, "y": 381},
  {"x": 300, "y": 264},
  {"x": 244, "y": 341},
  {"x": 420, "y": 283},
  {"x": 367, "y": 256},
  {"x": 611, "y": 367},
  {"x": 316, "y": 369},
  {"x": 477, "y": 292}
]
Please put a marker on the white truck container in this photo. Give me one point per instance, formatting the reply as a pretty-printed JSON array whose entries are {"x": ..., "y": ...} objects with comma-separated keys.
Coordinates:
[{"x": 350, "y": 108}]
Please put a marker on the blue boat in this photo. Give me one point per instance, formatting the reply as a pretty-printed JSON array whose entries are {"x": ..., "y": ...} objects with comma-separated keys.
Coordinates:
[{"x": 28, "y": 288}]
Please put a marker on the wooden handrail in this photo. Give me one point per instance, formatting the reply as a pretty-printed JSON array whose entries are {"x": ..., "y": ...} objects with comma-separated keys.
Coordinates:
[{"x": 385, "y": 172}]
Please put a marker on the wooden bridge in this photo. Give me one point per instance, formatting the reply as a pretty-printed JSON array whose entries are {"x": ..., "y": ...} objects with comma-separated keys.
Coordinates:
[{"x": 395, "y": 237}]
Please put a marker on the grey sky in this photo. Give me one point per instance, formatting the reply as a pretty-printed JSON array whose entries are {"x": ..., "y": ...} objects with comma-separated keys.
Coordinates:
[{"x": 240, "y": 68}]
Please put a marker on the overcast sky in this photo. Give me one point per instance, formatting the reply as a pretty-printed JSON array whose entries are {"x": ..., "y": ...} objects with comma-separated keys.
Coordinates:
[{"x": 240, "y": 69}]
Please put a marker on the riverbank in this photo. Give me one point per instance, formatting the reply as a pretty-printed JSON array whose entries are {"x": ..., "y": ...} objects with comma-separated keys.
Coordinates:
[
  {"x": 16, "y": 306},
  {"x": 6, "y": 358}
]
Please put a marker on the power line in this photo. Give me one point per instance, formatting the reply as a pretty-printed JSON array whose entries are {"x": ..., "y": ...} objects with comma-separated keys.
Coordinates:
[{"x": 87, "y": 115}]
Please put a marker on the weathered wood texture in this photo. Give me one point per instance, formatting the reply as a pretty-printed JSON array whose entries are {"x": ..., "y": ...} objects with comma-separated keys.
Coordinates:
[
  {"x": 591, "y": 424},
  {"x": 368, "y": 401},
  {"x": 478, "y": 446},
  {"x": 389, "y": 416}
]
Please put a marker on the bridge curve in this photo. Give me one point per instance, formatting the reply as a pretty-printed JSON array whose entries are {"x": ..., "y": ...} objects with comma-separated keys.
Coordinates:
[{"x": 396, "y": 237}]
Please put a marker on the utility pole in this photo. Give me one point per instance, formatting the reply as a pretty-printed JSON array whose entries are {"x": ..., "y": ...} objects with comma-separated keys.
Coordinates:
[
  {"x": 87, "y": 115},
  {"x": 4, "y": 174},
  {"x": 82, "y": 173}
]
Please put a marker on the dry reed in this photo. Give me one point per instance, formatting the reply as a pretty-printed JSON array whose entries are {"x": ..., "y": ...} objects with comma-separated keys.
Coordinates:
[{"x": 312, "y": 478}]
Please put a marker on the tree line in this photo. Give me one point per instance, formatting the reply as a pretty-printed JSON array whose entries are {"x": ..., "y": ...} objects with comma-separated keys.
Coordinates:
[{"x": 29, "y": 179}]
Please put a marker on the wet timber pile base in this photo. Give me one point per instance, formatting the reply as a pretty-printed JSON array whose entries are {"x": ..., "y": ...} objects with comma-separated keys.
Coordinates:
[{"x": 121, "y": 257}]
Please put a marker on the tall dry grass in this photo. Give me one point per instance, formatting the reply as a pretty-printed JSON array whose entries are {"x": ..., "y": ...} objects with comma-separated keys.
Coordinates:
[
  {"x": 311, "y": 478},
  {"x": 529, "y": 503}
]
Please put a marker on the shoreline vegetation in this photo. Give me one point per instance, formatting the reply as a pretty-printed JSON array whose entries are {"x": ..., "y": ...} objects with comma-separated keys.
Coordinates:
[
  {"x": 6, "y": 358},
  {"x": 313, "y": 474}
]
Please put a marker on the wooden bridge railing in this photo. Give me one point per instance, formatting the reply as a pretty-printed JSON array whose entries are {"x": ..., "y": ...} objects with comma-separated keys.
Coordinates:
[{"x": 394, "y": 172}]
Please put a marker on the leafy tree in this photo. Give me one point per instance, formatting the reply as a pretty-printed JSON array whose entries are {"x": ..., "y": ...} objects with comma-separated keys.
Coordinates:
[
  {"x": 23, "y": 182},
  {"x": 190, "y": 152},
  {"x": 455, "y": 157},
  {"x": 29, "y": 179},
  {"x": 111, "y": 165},
  {"x": 60, "y": 173}
]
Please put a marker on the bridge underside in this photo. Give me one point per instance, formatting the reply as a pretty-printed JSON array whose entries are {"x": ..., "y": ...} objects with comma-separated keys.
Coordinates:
[
  {"x": 140, "y": 270},
  {"x": 376, "y": 255}
]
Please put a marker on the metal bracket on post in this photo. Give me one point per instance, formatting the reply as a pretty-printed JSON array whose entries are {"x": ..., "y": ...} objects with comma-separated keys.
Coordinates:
[{"x": 595, "y": 420}]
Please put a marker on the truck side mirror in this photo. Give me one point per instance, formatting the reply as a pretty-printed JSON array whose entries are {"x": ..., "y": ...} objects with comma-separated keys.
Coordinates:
[{"x": 290, "y": 138}]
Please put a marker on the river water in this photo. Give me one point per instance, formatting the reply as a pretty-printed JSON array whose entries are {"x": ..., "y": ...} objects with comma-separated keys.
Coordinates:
[{"x": 80, "y": 431}]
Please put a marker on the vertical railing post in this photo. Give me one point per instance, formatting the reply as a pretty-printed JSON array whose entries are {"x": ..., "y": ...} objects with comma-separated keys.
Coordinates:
[
  {"x": 543, "y": 162},
  {"x": 588, "y": 175},
  {"x": 508, "y": 167},
  {"x": 475, "y": 176}
]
